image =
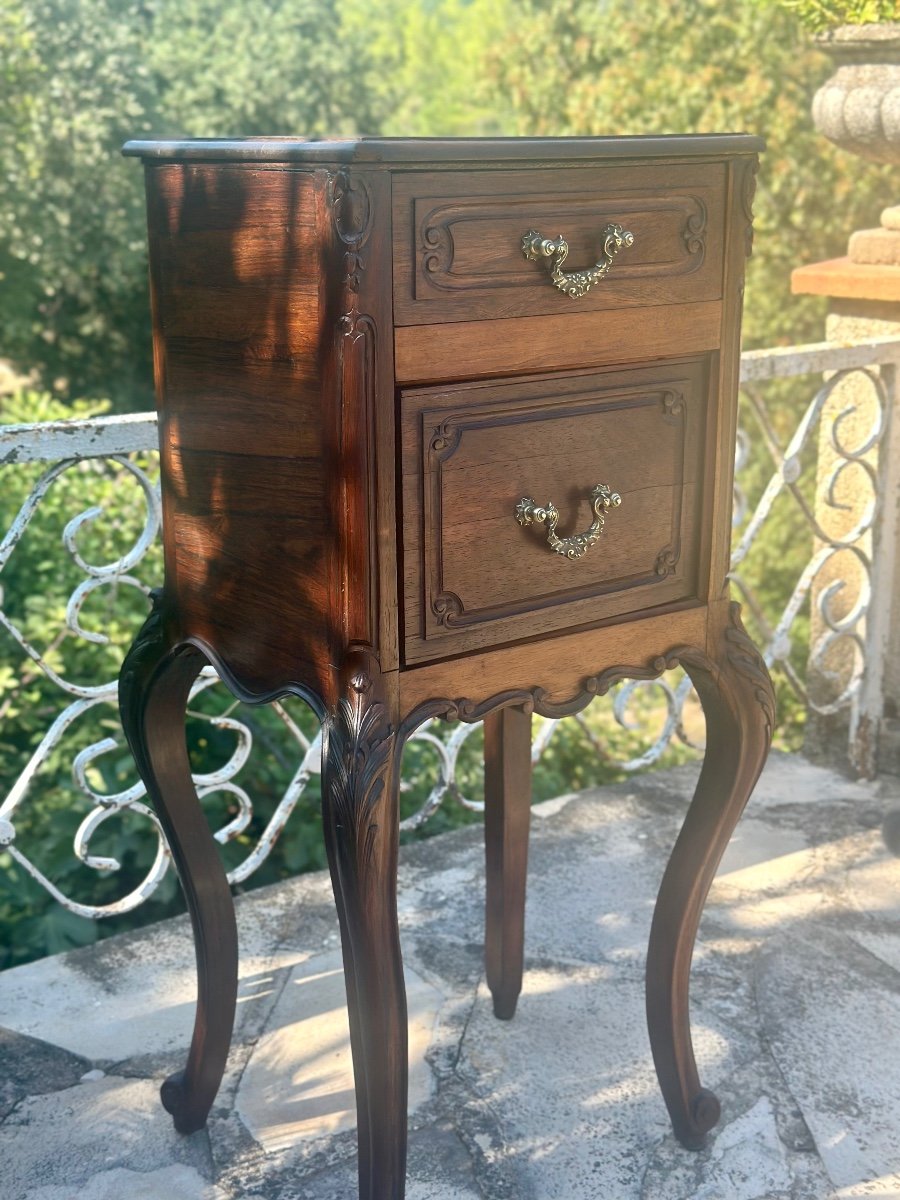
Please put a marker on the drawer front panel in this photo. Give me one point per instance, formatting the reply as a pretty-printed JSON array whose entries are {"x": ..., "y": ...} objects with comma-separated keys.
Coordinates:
[
  {"x": 458, "y": 239},
  {"x": 474, "y": 576}
]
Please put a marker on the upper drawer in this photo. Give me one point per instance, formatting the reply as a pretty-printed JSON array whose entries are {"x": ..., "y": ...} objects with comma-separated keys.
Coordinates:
[{"x": 458, "y": 239}]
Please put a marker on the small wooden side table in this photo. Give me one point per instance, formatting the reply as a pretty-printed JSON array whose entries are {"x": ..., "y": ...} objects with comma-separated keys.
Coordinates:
[{"x": 447, "y": 429}]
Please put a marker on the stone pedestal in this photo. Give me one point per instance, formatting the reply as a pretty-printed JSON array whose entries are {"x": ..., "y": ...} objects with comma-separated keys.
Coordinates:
[{"x": 864, "y": 293}]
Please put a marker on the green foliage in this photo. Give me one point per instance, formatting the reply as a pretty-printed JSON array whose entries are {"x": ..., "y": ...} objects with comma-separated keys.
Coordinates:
[
  {"x": 426, "y": 61},
  {"x": 239, "y": 67},
  {"x": 819, "y": 15},
  {"x": 72, "y": 272}
]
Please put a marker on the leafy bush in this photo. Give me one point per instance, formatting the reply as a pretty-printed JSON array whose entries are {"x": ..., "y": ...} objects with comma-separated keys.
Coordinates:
[
  {"x": 73, "y": 278},
  {"x": 819, "y": 15}
]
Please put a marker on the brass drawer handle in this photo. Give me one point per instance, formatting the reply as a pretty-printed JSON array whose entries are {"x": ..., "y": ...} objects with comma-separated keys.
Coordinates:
[
  {"x": 576, "y": 546},
  {"x": 575, "y": 283}
]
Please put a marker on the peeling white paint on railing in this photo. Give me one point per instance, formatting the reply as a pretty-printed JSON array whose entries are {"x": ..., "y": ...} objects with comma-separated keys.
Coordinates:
[
  {"x": 88, "y": 437},
  {"x": 782, "y": 362},
  {"x": 67, "y": 444}
]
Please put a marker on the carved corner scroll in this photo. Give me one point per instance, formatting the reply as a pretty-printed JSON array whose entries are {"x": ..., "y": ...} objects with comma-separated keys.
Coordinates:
[
  {"x": 448, "y": 608},
  {"x": 693, "y": 235},
  {"x": 437, "y": 249},
  {"x": 673, "y": 403},
  {"x": 667, "y": 560},
  {"x": 445, "y": 438},
  {"x": 747, "y": 187}
]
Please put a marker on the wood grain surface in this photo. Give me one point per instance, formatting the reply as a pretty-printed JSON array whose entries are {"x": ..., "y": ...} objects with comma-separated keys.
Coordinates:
[
  {"x": 507, "y": 817},
  {"x": 477, "y": 154},
  {"x": 481, "y": 349},
  {"x": 558, "y": 665},
  {"x": 275, "y": 396}
]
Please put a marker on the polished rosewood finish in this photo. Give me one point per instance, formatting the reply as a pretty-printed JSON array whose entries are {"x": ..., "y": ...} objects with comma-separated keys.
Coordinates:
[{"x": 366, "y": 393}]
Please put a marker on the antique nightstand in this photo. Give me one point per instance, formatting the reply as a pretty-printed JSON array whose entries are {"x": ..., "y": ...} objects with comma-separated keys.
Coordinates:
[{"x": 447, "y": 429}]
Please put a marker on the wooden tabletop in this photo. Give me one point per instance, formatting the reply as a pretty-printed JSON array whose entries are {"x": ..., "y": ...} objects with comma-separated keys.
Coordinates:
[{"x": 432, "y": 150}]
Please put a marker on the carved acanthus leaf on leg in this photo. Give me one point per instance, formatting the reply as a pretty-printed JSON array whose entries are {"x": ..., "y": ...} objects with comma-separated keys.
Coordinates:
[{"x": 358, "y": 745}]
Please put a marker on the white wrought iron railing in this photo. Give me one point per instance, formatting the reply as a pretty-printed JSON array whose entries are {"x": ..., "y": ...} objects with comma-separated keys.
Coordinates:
[{"x": 821, "y": 478}]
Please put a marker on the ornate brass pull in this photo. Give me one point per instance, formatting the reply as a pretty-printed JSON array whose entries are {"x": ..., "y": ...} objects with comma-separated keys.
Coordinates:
[
  {"x": 576, "y": 546},
  {"x": 575, "y": 283}
]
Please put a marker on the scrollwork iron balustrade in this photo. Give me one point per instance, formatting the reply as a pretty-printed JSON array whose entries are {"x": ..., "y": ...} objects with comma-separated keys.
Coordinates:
[{"x": 116, "y": 441}]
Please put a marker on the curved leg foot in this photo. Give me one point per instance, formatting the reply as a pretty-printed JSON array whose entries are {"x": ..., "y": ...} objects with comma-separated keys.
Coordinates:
[
  {"x": 154, "y": 686},
  {"x": 739, "y": 704},
  {"x": 361, "y": 823},
  {"x": 507, "y": 815}
]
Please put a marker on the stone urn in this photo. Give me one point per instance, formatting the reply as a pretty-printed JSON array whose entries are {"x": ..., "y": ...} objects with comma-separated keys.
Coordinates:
[
  {"x": 859, "y": 106},
  {"x": 858, "y": 109}
]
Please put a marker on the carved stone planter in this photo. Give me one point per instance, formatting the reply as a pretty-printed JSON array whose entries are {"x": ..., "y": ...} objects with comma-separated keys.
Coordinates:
[{"x": 859, "y": 107}]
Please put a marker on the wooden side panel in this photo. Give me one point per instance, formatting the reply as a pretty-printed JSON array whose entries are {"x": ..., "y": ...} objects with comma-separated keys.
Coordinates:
[
  {"x": 474, "y": 577},
  {"x": 239, "y": 333},
  {"x": 275, "y": 368},
  {"x": 458, "y": 239}
]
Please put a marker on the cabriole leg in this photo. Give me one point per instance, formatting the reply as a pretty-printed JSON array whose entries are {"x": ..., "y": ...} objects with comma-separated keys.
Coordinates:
[
  {"x": 361, "y": 824},
  {"x": 739, "y": 705},
  {"x": 507, "y": 815},
  {"x": 154, "y": 686}
]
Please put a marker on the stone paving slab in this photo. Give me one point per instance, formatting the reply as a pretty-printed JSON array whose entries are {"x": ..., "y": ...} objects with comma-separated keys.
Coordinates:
[
  {"x": 795, "y": 1001},
  {"x": 298, "y": 1085}
]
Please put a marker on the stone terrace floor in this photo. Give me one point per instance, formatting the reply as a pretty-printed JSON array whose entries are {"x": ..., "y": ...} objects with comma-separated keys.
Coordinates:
[{"x": 796, "y": 1006}]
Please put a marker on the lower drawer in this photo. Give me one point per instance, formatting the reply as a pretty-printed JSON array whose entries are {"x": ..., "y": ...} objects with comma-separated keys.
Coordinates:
[{"x": 484, "y": 466}]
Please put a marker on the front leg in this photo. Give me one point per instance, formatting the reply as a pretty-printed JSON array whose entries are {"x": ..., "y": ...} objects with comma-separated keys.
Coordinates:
[
  {"x": 361, "y": 821},
  {"x": 739, "y": 705},
  {"x": 154, "y": 686}
]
